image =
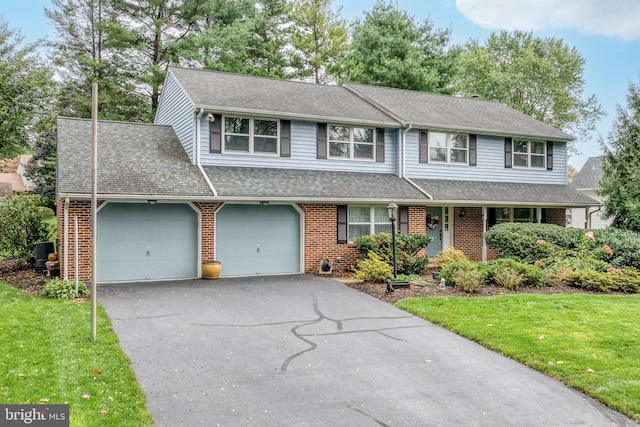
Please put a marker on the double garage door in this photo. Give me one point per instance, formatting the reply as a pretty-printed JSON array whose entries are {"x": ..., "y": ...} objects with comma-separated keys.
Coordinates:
[{"x": 139, "y": 241}]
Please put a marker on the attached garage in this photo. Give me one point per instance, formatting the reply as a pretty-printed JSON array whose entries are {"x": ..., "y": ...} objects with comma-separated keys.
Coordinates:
[
  {"x": 141, "y": 241},
  {"x": 258, "y": 239}
]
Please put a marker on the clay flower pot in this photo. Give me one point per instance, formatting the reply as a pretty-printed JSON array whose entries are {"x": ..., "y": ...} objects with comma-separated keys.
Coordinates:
[
  {"x": 53, "y": 257},
  {"x": 211, "y": 270}
]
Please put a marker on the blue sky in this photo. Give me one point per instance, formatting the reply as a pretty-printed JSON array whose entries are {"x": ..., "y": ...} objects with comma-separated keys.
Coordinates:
[{"x": 606, "y": 33}]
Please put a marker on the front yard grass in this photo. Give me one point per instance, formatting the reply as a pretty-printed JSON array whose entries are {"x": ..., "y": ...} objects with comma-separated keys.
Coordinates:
[
  {"x": 589, "y": 342},
  {"x": 48, "y": 357}
]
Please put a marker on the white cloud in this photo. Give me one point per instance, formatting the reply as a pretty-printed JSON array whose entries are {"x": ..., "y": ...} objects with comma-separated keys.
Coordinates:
[{"x": 613, "y": 18}]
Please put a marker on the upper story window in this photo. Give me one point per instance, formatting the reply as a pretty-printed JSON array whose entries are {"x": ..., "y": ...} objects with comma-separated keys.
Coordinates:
[
  {"x": 365, "y": 220},
  {"x": 448, "y": 148},
  {"x": 529, "y": 154},
  {"x": 249, "y": 135},
  {"x": 347, "y": 142}
]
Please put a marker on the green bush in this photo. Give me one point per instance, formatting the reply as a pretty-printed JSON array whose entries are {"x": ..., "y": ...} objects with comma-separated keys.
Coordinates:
[
  {"x": 531, "y": 274},
  {"x": 373, "y": 269},
  {"x": 625, "y": 246},
  {"x": 64, "y": 289},
  {"x": 508, "y": 278},
  {"x": 468, "y": 281},
  {"x": 23, "y": 223},
  {"x": 448, "y": 255},
  {"x": 615, "y": 280},
  {"x": 407, "y": 248},
  {"x": 453, "y": 270},
  {"x": 553, "y": 274}
]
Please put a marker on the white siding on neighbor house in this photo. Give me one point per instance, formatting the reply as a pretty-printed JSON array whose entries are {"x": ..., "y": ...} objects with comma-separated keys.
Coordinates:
[
  {"x": 490, "y": 165},
  {"x": 303, "y": 154},
  {"x": 579, "y": 216},
  {"x": 177, "y": 110}
]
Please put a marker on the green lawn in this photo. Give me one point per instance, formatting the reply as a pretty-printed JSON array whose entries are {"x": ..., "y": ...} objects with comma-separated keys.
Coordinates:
[
  {"x": 48, "y": 357},
  {"x": 590, "y": 342}
]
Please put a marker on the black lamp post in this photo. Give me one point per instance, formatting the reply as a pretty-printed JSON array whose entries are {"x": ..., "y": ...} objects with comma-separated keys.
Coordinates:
[{"x": 393, "y": 216}]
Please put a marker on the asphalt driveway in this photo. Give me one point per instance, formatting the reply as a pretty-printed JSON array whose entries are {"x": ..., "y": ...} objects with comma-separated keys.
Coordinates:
[{"x": 305, "y": 350}]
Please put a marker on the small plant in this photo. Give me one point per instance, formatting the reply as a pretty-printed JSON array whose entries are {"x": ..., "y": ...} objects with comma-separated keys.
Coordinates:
[
  {"x": 448, "y": 255},
  {"x": 614, "y": 280},
  {"x": 531, "y": 274},
  {"x": 410, "y": 250},
  {"x": 553, "y": 275},
  {"x": 508, "y": 278},
  {"x": 64, "y": 289},
  {"x": 468, "y": 281},
  {"x": 372, "y": 268},
  {"x": 453, "y": 270}
]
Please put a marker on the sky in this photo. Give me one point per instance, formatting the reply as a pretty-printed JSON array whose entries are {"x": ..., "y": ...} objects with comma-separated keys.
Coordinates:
[{"x": 605, "y": 33}]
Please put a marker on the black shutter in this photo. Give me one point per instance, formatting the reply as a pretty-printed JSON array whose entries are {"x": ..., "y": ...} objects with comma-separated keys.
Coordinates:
[
  {"x": 473, "y": 150},
  {"x": 543, "y": 215},
  {"x": 549, "y": 155},
  {"x": 215, "y": 134},
  {"x": 491, "y": 217},
  {"x": 380, "y": 145},
  {"x": 285, "y": 138},
  {"x": 403, "y": 219},
  {"x": 508, "y": 158},
  {"x": 423, "y": 147},
  {"x": 321, "y": 141},
  {"x": 342, "y": 223}
]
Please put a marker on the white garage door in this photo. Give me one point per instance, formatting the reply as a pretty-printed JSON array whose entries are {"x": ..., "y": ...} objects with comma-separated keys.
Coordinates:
[
  {"x": 139, "y": 241},
  {"x": 256, "y": 239}
]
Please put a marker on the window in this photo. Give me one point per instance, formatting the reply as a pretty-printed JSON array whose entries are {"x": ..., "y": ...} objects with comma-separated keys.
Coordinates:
[
  {"x": 529, "y": 154},
  {"x": 253, "y": 136},
  {"x": 515, "y": 215},
  {"x": 365, "y": 220},
  {"x": 347, "y": 142},
  {"x": 448, "y": 148}
]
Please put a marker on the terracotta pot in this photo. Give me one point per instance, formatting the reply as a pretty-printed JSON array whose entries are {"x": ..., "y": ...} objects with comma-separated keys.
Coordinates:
[
  {"x": 53, "y": 257},
  {"x": 211, "y": 270}
]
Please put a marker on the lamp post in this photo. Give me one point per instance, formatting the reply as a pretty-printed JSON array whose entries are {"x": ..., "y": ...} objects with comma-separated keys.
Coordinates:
[{"x": 392, "y": 209}]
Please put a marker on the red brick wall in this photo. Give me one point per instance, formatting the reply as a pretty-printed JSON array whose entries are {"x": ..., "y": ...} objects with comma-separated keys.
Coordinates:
[
  {"x": 556, "y": 216},
  {"x": 82, "y": 210},
  {"x": 467, "y": 232},
  {"x": 208, "y": 229}
]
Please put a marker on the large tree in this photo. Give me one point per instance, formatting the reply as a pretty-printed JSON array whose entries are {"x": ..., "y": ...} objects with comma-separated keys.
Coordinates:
[
  {"x": 620, "y": 183},
  {"x": 90, "y": 48},
  {"x": 389, "y": 48},
  {"x": 541, "y": 77},
  {"x": 27, "y": 92},
  {"x": 320, "y": 39}
]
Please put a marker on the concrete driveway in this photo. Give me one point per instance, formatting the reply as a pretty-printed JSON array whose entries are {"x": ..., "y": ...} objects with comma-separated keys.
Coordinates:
[{"x": 304, "y": 350}]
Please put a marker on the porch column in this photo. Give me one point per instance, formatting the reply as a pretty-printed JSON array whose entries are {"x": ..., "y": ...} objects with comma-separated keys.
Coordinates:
[{"x": 484, "y": 230}]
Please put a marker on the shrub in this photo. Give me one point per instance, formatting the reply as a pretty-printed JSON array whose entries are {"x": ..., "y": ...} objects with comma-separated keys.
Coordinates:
[
  {"x": 508, "y": 278},
  {"x": 455, "y": 269},
  {"x": 407, "y": 248},
  {"x": 625, "y": 246},
  {"x": 448, "y": 255},
  {"x": 531, "y": 274},
  {"x": 373, "y": 269},
  {"x": 553, "y": 274},
  {"x": 615, "y": 280},
  {"x": 468, "y": 281},
  {"x": 22, "y": 221},
  {"x": 64, "y": 289}
]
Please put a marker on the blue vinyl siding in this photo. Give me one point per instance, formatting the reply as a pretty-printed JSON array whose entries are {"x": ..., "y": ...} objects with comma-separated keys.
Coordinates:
[
  {"x": 490, "y": 165},
  {"x": 303, "y": 154},
  {"x": 177, "y": 110}
]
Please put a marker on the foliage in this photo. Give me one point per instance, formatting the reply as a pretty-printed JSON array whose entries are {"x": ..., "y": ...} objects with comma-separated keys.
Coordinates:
[
  {"x": 624, "y": 244},
  {"x": 508, "y": 278},
  {"x": 553, "y": 274},
  {"x": 22, "y": 221},
  {"x": 320, "y": 40},
  {"x": 620, "y": 182},
  {"x": 448, "y": 255},
  {"x": 531, "y": 274},
  {"x": 588, "y": 342},
  {"x": 41, "y": 169},
  {"x": 614, "y": 280},
  {"x": 63, "y": 289},
  {"x": 408, "y": 247},
  {"x": 373, "y": 268},
  {"x": 412, "y": 278},
  {"x": 390, "y": 49},
  {"x": 543, "y": 78},
  {"x": 468, "y": 281},
  {"x": 27, "y": 92},
  {"x": 451, "y": 271}
]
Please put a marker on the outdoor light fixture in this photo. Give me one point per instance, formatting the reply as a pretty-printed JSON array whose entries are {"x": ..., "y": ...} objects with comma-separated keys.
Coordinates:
[
  {"x": 392, "y": 209},
  {"x": 463, "y": 212}
]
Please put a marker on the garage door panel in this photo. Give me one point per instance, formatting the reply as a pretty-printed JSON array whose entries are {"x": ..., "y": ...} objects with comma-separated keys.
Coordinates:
[
  {"x": 141, "y": 241},
  {"x": 254, "y": 239}
]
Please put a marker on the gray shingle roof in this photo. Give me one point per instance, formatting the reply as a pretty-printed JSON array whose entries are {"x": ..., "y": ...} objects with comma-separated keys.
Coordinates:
[
  {"x": 503, "y": 193},
  {"x": 238, "y": 93},
  {"x": 308, "y": 185},
  {"x": 445, "y": 112},
  {"x": 589, "y": 176},
  {"x": 133, "y": 159}
]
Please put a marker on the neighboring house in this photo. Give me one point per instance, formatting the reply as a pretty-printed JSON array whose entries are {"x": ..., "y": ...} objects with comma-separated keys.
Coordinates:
[
  {"x": 587, "y": 182},
  {"x": 272, "y": 176},
  {"x": 15, "y": 182}
]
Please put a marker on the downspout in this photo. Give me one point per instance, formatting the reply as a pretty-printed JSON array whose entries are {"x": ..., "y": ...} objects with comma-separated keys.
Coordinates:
[
  {"x": 204, "y": 174},
  {"x": 403, "y": 162},
  {"x": 65, "y": 228},
  {"x": 589, "y": 223}
]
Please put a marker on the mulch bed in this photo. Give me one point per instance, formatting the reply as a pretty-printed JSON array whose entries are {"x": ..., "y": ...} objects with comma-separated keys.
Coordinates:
[{"x": 19, "y": 273}]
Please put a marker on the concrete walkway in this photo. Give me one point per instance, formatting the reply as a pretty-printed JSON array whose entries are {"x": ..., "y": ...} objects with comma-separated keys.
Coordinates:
[{"x": 303, "y": 350}]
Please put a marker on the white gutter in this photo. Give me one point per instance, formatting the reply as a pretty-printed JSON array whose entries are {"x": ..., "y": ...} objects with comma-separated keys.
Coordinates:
[
  {"x": 403, "y": 162},
  {"x": 65, "y": 227},
  {"x": 197, "y": 146}
]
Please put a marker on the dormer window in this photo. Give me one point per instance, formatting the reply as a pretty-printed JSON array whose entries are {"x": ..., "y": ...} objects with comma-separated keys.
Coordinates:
[
  {"x": 249, "y": 135},
  {"x": 353, "y": 143}
]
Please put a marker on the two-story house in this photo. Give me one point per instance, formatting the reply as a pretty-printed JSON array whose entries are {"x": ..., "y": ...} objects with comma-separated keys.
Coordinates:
[{"x": 272, "y": 176}]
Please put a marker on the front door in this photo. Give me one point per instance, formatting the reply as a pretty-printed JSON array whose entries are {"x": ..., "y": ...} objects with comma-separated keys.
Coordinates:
[{"x": 434, "y": 229}]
